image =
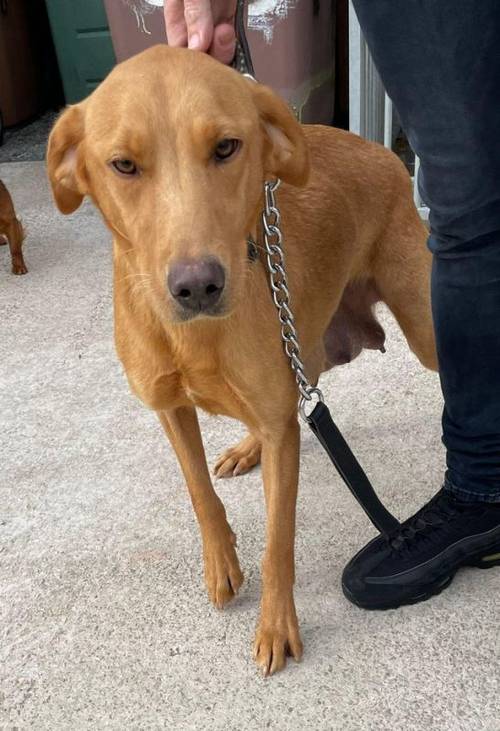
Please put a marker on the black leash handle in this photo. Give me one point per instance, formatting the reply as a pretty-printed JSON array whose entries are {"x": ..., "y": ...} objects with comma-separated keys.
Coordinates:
[
  {"x": 348, "y": 467},
  {"x": 242, "y": 61}
]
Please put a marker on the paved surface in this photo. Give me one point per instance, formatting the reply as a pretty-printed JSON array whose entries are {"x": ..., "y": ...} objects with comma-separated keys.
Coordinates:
[
  {"x": 28, "y": 141},
  {"x": 104, "y": 619}
]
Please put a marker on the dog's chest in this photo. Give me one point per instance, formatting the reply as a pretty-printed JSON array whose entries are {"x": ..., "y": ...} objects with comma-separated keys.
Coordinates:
[
  {"x": 208, "y": 385},
  {"x": 211, "y": 373},
  {"x": 212, "y": 394}
]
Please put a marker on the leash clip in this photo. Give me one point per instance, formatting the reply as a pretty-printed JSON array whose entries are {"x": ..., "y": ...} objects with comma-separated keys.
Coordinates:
[{"x": 315, "y": 397}]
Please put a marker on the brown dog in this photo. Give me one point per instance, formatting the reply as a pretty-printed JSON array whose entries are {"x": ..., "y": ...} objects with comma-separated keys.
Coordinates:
[
  {"x": 11, "y": 231},
  {"x": 174, "y": 149}
]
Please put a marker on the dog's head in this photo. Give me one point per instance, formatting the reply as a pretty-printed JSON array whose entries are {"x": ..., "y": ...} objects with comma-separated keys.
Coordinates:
[{"x": 173, "y": 147}]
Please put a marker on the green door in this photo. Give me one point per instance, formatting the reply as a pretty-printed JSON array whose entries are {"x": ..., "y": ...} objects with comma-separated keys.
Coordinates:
[{"x": 83, "y": 45}]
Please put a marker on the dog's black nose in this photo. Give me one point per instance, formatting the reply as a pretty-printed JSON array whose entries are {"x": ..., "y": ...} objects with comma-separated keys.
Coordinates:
[{"x": 196, "y": 284}]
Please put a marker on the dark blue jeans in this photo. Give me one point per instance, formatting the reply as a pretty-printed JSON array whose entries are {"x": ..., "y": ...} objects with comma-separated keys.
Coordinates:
[{"x": 440, "y": 63}]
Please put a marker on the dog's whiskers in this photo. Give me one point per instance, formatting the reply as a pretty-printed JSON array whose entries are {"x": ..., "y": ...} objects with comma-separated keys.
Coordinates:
[{"x": 130, "y": 276}]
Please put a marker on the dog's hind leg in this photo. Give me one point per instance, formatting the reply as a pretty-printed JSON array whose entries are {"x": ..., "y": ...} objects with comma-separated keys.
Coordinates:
[
  {"x": 402, "y": 275},
  {"x": 239, "y": 459},
  {"x": 223, "y": 576}
]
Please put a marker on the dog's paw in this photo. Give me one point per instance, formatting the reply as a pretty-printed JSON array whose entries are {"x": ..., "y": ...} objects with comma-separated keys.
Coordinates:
[
  {"x": 239, "y": 459},
  {"x": 223, "y": 576},
  {"x": 277, "y": 638},
  {"x": 19, "y": 268}
]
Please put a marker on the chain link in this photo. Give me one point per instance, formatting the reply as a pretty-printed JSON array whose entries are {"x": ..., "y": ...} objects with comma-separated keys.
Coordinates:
[{"x": 273, "y": 240}]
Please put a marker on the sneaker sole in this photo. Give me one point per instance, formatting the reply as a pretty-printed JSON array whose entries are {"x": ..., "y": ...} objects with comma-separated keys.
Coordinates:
[{"x": 480, "y": 561}]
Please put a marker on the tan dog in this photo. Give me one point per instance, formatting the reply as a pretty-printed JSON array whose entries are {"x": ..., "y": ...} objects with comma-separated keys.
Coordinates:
[
  {"x": 174, "y": 149},
  {"x": 11, "y": 231}
]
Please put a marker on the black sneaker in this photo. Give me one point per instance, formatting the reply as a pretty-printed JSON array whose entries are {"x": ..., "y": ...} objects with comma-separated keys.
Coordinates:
[{"x": 422, "y": 556}]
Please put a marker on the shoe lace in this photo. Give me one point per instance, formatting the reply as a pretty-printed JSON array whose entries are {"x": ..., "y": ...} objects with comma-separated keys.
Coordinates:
[{"x": 420, "y": 529}]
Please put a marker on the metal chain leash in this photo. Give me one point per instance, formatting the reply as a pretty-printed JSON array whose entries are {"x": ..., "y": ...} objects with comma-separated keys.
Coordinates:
[
  {"x": 273, "y": 240},
  {"x": 319, "y": 420}
]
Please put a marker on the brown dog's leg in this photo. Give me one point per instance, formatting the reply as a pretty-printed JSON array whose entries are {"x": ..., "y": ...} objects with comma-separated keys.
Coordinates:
[
  {"x": 402, "y": 274},
  {"x": 223, "y": 576},
  {"x": 239, "y": 459},
  {"x": 278, "y": 631},
  {"x": 15, "y": 238}
]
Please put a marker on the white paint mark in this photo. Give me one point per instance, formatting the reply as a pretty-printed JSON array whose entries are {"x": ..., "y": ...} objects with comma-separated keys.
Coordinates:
[
  {"x": 141, "y": 8},
  {"x": 264, "y": 14}
]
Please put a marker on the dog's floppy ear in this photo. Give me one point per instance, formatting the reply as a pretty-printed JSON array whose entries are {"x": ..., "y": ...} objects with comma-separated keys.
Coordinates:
[
  {"x": 64, "y": 160},
  {"x": 287, "y": 155}
]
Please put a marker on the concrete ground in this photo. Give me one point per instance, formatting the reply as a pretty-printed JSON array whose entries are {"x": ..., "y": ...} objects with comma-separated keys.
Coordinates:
[
  {"x": 104, "y": 619},
  {"x": 28, "y": 141}
]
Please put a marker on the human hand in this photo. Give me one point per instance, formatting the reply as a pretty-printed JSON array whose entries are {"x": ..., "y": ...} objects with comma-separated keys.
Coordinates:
[{"x": 204, "y": 25}]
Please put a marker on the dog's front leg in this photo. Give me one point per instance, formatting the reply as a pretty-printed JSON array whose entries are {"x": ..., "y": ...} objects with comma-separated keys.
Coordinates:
[
  {"x": 278, "y": 631},
  {"x": 223, "y": 576}
]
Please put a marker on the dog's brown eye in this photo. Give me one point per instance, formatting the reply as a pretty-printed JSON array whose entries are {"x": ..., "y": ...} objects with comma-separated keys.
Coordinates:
[
  {"x": 225, "y": 149},
  {"x": 125, "y": 166}
]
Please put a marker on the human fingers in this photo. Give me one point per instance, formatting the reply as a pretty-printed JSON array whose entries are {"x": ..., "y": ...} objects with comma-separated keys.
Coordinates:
[
  {"x": 223, "y": 43},
  {"x": 175, "y": 23},
  {"x": 199, "y": 23}
]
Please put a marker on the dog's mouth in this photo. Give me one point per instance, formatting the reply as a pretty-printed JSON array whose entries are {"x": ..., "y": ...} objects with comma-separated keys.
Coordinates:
[{"x": 199, "y": 312}]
